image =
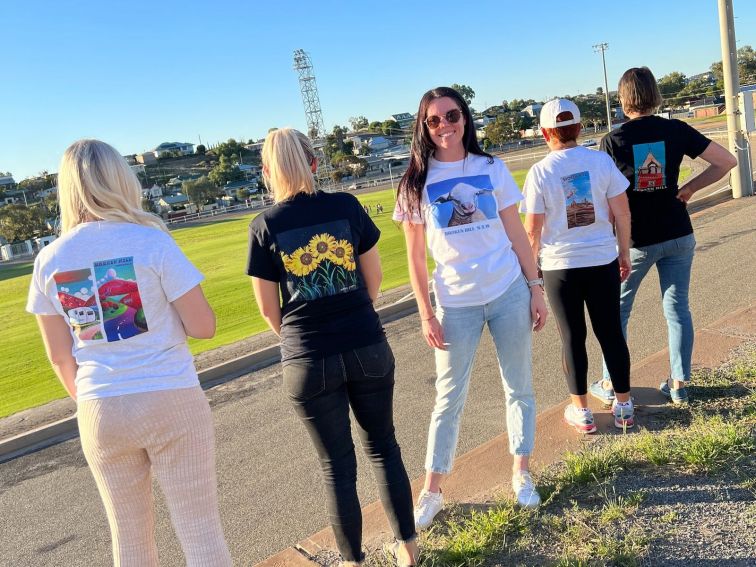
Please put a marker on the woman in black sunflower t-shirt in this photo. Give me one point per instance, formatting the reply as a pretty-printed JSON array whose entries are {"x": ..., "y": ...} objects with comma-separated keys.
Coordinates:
[{"x": 319, "y": 251}]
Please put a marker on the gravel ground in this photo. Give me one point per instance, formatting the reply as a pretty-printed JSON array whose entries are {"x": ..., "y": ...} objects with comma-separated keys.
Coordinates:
[{"x": 714, "y": 518}]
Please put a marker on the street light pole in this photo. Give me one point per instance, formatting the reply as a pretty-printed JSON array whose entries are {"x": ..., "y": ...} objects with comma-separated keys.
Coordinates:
[
  {"x": 603, "y": 47},
  {"x": 740, "y": 178}
]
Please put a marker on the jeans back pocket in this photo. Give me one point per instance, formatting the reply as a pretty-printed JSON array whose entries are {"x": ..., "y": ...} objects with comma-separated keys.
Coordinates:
[
  {"x": 303, "y": 380},
  {"x": 375, "y": 360}
]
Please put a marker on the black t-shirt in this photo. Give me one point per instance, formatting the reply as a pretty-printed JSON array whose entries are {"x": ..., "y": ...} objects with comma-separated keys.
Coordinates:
[
  {"x": 648, "y": 151},
  {"x": 310, "y": 246}
]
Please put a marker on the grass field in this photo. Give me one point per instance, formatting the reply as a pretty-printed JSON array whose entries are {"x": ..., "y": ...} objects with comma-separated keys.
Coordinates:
[{"x": 219, "y": 250}]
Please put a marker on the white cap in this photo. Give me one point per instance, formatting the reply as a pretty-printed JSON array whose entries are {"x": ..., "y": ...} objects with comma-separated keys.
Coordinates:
[{"x": 554, "y": 108}]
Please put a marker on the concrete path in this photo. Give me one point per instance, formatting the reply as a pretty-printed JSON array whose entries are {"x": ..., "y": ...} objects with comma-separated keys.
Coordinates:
[{"x": 271, "y": 494}]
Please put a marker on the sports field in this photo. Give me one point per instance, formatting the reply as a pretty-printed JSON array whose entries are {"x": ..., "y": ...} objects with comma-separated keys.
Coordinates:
[{"x": 219, "y": 250}]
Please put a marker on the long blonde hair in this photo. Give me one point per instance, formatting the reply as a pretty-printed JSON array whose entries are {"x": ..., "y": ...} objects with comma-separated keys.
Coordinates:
[
  {"x": 96, "y": 183},
  {"x": 287, "y": 158}
]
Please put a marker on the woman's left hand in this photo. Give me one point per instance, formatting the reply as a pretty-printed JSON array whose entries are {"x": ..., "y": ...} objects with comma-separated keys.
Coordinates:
[{"x": 538, "y": 309}]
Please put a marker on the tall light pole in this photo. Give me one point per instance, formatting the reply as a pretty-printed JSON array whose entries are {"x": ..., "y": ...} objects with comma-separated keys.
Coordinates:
[
  {"x": 740, "y": 177},
  {"x": 603, "y": 47}
]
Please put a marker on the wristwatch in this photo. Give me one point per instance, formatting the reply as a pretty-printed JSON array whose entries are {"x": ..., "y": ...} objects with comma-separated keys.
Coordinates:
[{"x": 535, "y": 282}]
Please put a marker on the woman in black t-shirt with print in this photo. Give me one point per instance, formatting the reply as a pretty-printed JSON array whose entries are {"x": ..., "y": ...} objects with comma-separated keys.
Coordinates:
[
  {"x": 319, "y": 251},
  {"x": 648, "y": 150}
]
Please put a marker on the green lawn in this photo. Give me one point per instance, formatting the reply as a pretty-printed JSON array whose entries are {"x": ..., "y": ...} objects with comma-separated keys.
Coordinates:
[{"x": 219, "y": 250}]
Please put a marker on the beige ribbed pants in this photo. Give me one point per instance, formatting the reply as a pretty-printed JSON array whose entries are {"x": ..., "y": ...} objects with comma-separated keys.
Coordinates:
[{"x": 170, "y": 432}]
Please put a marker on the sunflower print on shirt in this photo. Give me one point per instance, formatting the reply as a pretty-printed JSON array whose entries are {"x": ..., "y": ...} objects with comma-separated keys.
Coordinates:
[{"x": 319, "y": 261}]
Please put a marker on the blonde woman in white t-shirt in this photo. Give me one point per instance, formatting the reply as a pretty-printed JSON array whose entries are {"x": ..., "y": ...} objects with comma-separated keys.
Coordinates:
[
  {"x": 462, "y": 204},
  {"x": 574, "y": 201},
  {"x": 115, "y": 299}
]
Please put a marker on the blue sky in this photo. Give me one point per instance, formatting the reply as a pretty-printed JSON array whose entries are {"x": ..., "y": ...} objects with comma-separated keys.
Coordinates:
[{"x": 136, "y": 74}]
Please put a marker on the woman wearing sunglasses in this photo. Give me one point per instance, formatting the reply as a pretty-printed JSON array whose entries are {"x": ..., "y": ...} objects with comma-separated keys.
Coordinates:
[
  {"x": 462, "y": 203},
  {"x": 315, "y": 273}
]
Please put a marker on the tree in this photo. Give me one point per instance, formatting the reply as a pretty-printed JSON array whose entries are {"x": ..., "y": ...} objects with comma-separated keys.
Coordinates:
[
  {"x": 147, "y": 205},
  {"x": 501, "y": 130},
  {"x": 242, "y": 194},
  {"x": 19, "y": 222},
  {"x": 200, "y": 150},
  {"x": 599, "y": 91},
  {"x": 592, "y": 109},
  {"x": 199, "y": 191},
  {"x": 465, "y": 92},
  {"x": 522, "y": 121},
  {"x": 230, "y": 149},
  {"x": 746, "y": 67},
  {"x": 224, "y": 171},
  {"x": 671, "y": 84},
  {"x": 359, "y": 123},
  {"x": 391, "y": 128},
  {"x": 43, "y": 180},
  {"x": 353, "y": 165},
  {"x": 375, "y": 126}
]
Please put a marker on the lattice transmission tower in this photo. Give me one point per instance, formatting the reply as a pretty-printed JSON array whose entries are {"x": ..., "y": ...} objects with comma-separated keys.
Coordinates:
[{"x": 314, "y": 116}]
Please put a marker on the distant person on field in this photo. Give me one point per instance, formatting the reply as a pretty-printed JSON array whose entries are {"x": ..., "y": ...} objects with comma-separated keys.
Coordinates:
[
  {"x": 462, "y": 203},
  {"x": 115, "y": 299},
  {"x": 648, "y": 150},
  {"x": 315, "y": 273},
  {"x": 574, "y": 203}
]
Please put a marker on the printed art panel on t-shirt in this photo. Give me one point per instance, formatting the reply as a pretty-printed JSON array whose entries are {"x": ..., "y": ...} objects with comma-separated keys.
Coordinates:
[
  {"x": 103, "y": 302},
  {"x": 649, "y": 163},
  {"x": 319, "y": 260},
  {"x": 578, "y": 199},
  {"x": 462, "y": 201}
]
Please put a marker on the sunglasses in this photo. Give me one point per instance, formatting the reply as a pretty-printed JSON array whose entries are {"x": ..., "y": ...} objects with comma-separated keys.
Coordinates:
[{"x": 452, "y": 117}]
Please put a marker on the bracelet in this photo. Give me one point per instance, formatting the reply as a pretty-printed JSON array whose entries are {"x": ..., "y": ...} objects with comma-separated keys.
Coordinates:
[
  {"x": 535, "y": 282},
  {"x": 429, "y": 318}
]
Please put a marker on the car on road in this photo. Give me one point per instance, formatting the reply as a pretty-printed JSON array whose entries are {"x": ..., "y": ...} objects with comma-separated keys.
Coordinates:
[
  {"x": 354, "y": 186},
  {"x": 588, "y": 143}
]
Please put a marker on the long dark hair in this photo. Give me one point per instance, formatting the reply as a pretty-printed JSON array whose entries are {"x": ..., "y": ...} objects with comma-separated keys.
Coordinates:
[{"x": 411, "y": 185}]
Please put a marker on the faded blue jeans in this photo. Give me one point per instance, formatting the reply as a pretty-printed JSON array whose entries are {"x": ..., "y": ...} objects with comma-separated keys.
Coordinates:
[
  {"x": 509, "y": 321},
  {"x": 673, "y": 260}
]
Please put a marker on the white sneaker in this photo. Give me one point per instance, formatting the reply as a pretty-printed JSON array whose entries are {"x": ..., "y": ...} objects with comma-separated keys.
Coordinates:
[
  {"x": 428, "y": 505},
  {"x": 525, "y": 490}
]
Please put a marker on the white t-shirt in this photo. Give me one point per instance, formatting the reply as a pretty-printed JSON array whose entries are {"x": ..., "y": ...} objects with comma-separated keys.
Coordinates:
[
  {"x": 113, "y": 283},
  {"x": 572, "y": 188},
  {"x": 461, "y": 201}
]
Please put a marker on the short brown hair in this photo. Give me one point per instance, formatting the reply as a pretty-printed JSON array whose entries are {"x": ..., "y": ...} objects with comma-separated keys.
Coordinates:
[
  {"x": 638, "y": 91},
  {"x": 565, "y": 133}
]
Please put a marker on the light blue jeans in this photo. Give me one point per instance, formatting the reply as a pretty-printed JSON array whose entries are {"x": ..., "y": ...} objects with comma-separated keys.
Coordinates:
[
  {"x": 673, "y": 260},
  {"x": 508, "y": 319}
]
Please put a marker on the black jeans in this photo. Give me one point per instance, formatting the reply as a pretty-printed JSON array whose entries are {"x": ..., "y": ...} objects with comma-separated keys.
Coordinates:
[
  {"x": 322, "y": 392},
  {"x": 570, "y": 291}
]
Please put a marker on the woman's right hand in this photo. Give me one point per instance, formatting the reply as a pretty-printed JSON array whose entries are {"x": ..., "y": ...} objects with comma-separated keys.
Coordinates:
[{"x": 434, "y": 333}]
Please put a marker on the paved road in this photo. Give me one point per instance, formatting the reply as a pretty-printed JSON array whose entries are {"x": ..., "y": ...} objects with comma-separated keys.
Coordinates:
[{"x": 271, "y": 496}]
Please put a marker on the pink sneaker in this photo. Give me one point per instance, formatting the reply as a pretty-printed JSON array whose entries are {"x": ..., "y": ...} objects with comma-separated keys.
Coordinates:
[{"x": 579, "y": 418}]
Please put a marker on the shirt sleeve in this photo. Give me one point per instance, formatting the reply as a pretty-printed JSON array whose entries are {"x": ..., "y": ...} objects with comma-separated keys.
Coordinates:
[
  {"x": 618, "y": 183},
  {"x": 368, "y": 232},
  {"x": 177, "y": 274},
  {"x": 505, "y": 189},
  {"x": 402, "y": 212},
  {"x": 260, "y": 262},
  {"x": 533, "y": 202},
  {"x": 38, "y": 302},
  {"x": 694, "y": 142}
]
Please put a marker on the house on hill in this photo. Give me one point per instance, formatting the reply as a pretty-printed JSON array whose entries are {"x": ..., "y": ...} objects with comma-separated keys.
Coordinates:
[
  {"x": 179, "y": 148},
  {"x": 650, "y": 174}
]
